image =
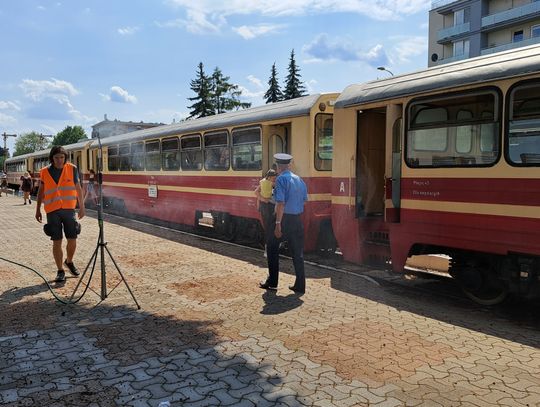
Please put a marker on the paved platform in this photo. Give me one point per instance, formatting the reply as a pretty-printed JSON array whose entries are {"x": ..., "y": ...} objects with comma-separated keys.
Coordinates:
[{"x": 207, "y": 335}]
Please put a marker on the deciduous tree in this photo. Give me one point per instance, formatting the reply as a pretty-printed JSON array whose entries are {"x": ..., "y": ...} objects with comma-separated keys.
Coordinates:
[
  {"x": 69, "y": 135},
  {"x": 29, "y": 142}
]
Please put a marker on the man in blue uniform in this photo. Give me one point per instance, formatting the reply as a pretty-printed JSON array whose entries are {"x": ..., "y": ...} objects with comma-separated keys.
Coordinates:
[{"x": 290, "y": 193}]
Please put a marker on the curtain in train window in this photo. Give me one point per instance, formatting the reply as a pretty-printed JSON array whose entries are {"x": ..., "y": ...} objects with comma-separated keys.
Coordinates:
[
  {"x": 170, "y": 154},
  {"x": 524, "y": 125},
  {"x": 137, "y": 156},
  {"x": 247, "y": 149},
  {"x": 216, "y": 151},
  {"x": 191, "y": 153},
  {"x": 324, "y": 141},
  {"x": 153, "y": 156}
]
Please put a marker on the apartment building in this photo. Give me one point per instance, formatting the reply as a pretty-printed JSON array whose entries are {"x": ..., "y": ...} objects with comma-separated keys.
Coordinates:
[{"x": 468, "y": 28}]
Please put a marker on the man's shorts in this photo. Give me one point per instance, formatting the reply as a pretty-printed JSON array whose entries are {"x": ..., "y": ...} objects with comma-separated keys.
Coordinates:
[{"x": 62, "y": 219}]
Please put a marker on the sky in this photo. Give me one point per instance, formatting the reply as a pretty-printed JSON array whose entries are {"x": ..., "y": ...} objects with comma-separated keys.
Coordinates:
[{"x": 70, "y": 62}]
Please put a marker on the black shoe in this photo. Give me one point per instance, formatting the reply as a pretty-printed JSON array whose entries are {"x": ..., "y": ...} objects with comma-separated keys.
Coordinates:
[
  {"x": 266, "y": 286},
  {"x": 60, "y": 276},
  {"x": 25, "y": 202},
  {"x": 296, "y": 290},
  {"x": 29, "y": 202},
  {"x": 72, "y": 269}
]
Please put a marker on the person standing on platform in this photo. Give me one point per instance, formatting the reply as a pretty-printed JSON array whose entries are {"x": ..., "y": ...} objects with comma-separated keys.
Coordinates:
[
  {"x": 59, "y": 191},
  {"x": 3, "y": 183},
  {"x": 266, "y": 204},
  {"x": 290, "y": 193},
  {"x": 26, "y": 187}
]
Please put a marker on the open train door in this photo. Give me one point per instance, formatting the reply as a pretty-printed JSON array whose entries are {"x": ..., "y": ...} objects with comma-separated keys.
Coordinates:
[{"x": 394, "y": 123}]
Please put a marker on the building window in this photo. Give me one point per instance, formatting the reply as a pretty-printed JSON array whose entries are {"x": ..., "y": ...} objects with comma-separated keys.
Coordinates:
[
  {"x": 461, "y": 48},
  {"x": 518, "y": 36},
  {"x": 535, "y": 31}
]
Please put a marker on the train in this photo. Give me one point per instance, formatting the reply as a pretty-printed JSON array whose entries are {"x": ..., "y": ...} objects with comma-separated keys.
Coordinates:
[{"x": 443, "y": 161}]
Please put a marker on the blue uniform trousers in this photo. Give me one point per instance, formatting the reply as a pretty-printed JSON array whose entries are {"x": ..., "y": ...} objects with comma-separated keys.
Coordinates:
[{"x": 293, "y": 232}]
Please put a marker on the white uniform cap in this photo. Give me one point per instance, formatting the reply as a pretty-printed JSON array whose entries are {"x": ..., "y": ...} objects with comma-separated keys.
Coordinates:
[{"x": 283, "y": 158}]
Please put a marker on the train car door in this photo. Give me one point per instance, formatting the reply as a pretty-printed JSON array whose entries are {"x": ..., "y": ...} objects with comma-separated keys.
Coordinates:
[
  {"x": 370, "y": 163},
  {"x": 278, "y": 142}
]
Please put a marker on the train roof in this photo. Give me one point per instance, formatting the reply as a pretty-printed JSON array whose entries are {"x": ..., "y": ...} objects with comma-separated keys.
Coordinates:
[
  {"x": 489, "y": 67},
  {"x": 45, "y": 152},
  {"x": 289, "y": 108}
]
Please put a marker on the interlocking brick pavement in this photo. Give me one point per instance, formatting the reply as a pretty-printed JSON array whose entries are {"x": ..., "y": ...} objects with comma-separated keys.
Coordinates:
[{"x": 207, "y": 335}]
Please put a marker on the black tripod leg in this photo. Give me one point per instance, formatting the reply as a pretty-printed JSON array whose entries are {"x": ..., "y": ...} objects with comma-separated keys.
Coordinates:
[
  {"x": 123, "y": 279},
  {"x": 93, "y": 258}
]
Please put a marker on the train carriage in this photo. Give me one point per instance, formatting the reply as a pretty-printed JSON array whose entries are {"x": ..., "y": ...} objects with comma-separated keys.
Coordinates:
[
  {"x": 203, "y": 172},
  {"x": 445, "y": 161}
]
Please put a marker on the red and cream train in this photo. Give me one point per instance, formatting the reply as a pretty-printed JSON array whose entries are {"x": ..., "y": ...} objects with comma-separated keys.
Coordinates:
[{"x": 441, "y": 161}]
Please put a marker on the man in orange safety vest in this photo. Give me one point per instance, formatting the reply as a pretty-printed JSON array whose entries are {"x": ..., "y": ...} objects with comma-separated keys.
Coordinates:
[{"x": 59, "y": 191}]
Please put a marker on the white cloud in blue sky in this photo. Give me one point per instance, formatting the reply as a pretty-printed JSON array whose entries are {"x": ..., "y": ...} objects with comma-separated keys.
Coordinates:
[{"x": 57, "y": 55}]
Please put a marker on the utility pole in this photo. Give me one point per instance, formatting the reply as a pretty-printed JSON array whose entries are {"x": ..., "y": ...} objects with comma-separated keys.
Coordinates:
[{"x": 5, "y": 144}]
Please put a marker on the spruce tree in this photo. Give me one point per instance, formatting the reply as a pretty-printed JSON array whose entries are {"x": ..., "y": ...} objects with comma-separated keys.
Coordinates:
[
  {"x": 293, "y": 86},
  {"x": 273, "y": 94},
  {"x": 225, "y": 95},
  {"x": 203, "y": 105}
]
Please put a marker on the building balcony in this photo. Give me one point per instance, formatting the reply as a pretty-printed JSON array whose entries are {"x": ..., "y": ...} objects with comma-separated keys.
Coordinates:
[
  {"x": 447, "y": 33},
  {"x": 511, "y": 45},
  {"x": 452, "y": 59},
  {"x": 515, "y": 14}
]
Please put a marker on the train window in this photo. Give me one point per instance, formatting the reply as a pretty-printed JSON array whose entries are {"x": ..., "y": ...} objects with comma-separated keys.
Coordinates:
[
  {"x": 523, "y": 140},
  {"x": 191, "y": 153},
  {"x": 124, "y": 151},
  {"x": 324, "y": 141},
  {"x": 153, "y": 156},
  {"x": 113, "y": 158},
  {"x": 216, "y": 151},
  {"x": 137, "y": 156},
  {"x": 247, "y": 149},
  {"x": 170, "y": 154},
  {"x": 453, "y": 131}
]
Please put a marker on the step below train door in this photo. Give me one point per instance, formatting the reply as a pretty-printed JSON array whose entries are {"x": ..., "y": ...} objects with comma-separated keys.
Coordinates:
[{"x": 370, "y": 187}]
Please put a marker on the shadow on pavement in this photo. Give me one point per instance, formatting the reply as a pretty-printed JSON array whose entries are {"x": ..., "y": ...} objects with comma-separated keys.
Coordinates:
[{"x": 277, "y": 304}]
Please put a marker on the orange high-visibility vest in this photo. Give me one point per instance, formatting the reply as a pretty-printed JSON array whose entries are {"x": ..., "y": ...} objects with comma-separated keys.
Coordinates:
[{"x": 62, "y": 195}]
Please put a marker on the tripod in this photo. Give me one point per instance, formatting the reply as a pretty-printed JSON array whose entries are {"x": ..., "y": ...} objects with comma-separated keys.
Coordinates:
[{"x": 101, "y": 246}]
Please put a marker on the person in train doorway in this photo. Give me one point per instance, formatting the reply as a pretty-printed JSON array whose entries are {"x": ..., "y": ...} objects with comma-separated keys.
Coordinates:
[
  {"x": 290, "y": 193},
  {"x": 266, "y": 205},
  {"x": 26, "y": 187},
  {"x": 60, "y": 191}
]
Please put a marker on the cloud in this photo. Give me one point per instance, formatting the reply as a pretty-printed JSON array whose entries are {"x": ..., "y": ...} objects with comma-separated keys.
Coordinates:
[
  {"x": 50, "y": 99},
  {"x": 119, "y": 95},
  {"x": 256, "y": 81},
  {"x": 247, "y": 94},
  {"x": 406, "y": 48},
  {"x": 127, "y": 30},
  {"x": 324, "y": 49},
  {"x": 249, "y": 32},
  {"x": 212, "y": 13},
  {"x": 38, "y": 90},
  {"x": 197, "y": 23},
  {"x": 9, "y": 105},
  {"x": 7, "y": 120}
]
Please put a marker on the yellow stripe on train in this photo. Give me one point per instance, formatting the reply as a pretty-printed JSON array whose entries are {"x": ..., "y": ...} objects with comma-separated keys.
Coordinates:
[{"x": 207, "y": 191}]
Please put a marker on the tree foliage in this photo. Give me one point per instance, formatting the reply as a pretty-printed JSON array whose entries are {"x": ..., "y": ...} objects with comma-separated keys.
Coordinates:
[
  {"x": 294, "y": 88},
  {"x": 225, "y": 95},
  {"x": 215, "y": 94},
  {"x": 69, "y": 135},
  {"x": 29, "y": 142},
  {"x": 201, "y": 85},
  {"x": 273, "y": 94}
]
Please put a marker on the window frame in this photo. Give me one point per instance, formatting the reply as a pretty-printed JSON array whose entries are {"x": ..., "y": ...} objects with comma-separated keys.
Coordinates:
[
  {"x": 233, "y": 152},
  {"x": 169, "y": 151},
  {"x": 321, "y": 164},
  {"x": 497, "y": 120},
  {"x": 222, "y": 147},
  {"x": 198, "y": 165},
  {"x": 150, "y": 157}
]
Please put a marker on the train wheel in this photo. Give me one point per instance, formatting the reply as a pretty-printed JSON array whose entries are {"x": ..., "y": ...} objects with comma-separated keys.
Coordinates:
[{"x": 478, "y": 280}]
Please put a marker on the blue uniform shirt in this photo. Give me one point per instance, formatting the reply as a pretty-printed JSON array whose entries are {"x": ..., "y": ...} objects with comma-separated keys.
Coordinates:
[{"x": 290, "y": 189}]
